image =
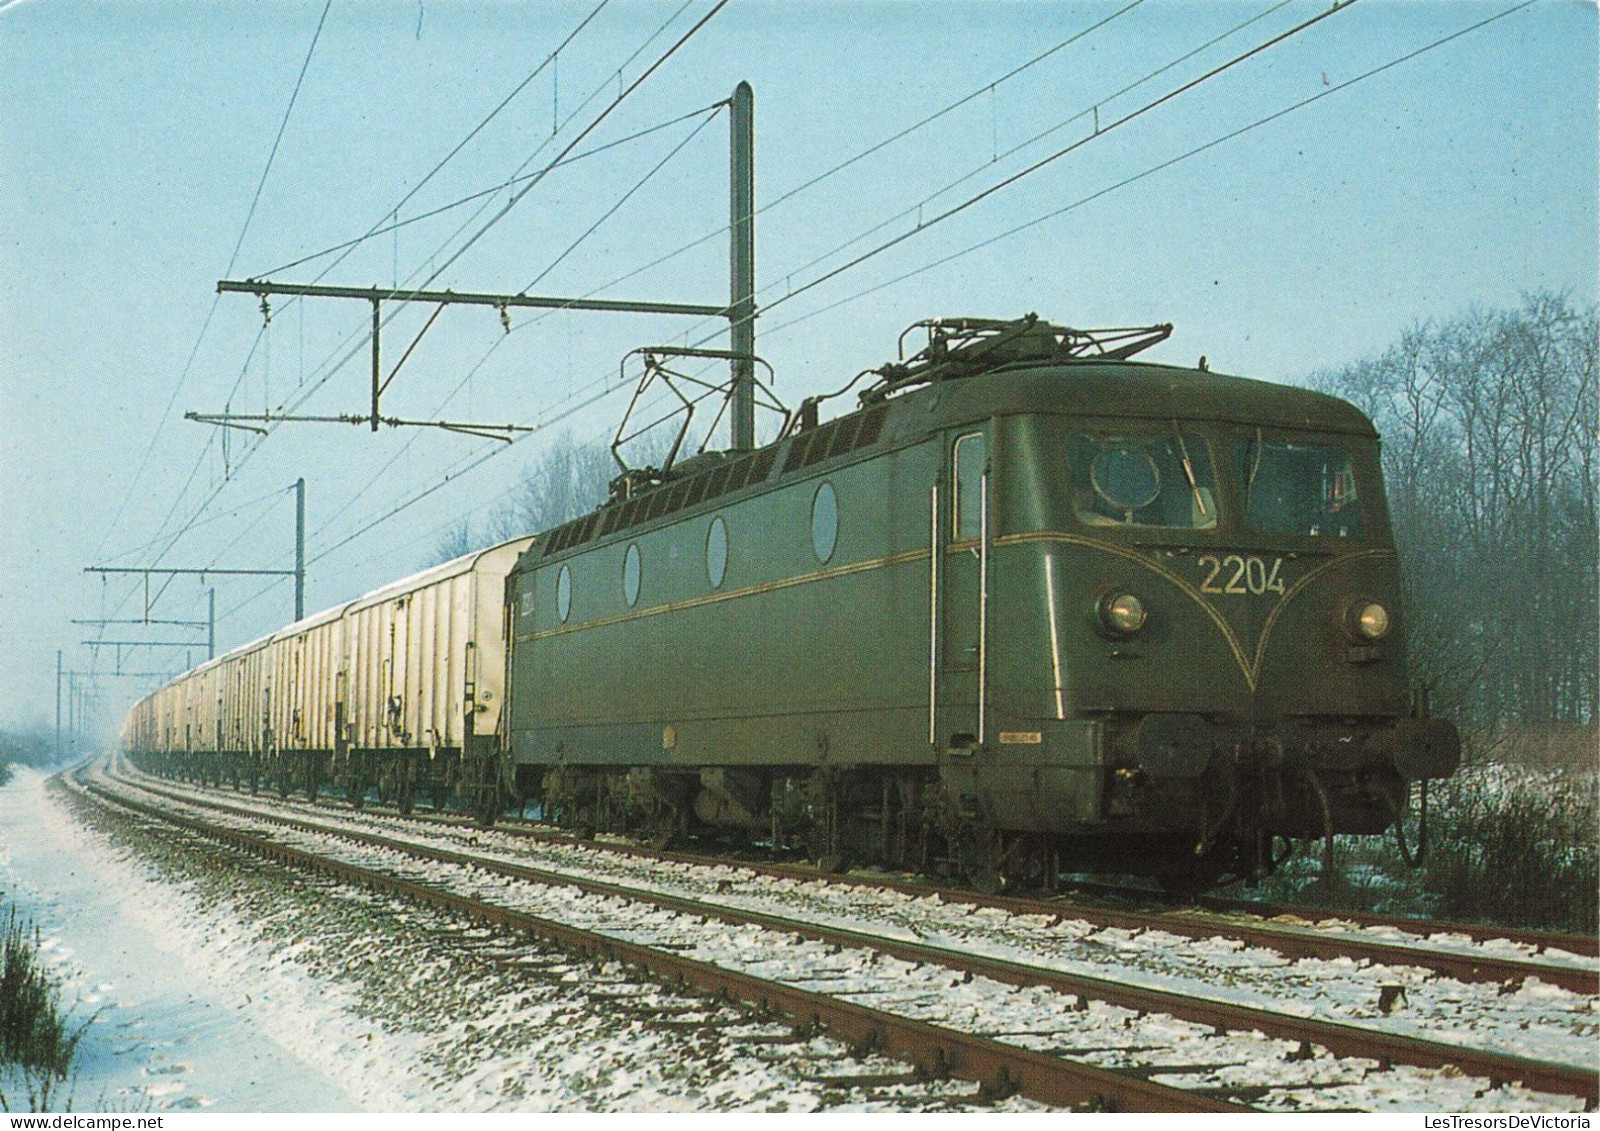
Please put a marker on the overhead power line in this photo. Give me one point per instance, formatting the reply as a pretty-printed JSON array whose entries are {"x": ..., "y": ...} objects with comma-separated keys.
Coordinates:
[
  {"x": 166, "y": 413},
  {"x": 1256, "y": 50},
  {"x": 500, "y": 340},
  {"x": 407, "y": 291},
  {"x": 1060, "y": 153},
  {"x": 276, "y": 141},
  {"x": 335, "y": 366},
  {"x": 874, "y": 148},
  {"x": 494, "y": 190},
  {"x": 351, "y": 346},
  {"x": 1266, "y": 119},
  {"x": 1154, "y": 169}
]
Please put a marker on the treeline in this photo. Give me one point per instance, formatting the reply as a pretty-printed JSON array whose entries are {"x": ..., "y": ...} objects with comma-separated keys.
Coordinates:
[
  {"x": 1489, "y": 451},
  {"x": 33, "y": 746}
]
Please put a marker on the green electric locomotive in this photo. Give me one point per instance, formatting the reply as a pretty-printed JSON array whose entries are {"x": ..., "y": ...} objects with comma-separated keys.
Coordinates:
[{"x": 1033, "y": 605}]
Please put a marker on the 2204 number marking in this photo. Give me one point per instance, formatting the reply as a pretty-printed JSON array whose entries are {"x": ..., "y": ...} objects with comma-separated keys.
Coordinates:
[{"x": 1241, "y": 575}]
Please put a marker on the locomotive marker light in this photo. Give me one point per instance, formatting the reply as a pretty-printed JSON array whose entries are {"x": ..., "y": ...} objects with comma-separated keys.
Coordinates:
[
  {"x": 1373, "y": 621},
  {"x": 1122, "y": 614},
  {"x": 1366, "y": 620}
]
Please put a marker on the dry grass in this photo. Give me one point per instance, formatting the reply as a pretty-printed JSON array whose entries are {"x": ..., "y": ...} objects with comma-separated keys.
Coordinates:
[
  {"x": 1507, "y": 844},
  {"x": 38, "y": 1040}
]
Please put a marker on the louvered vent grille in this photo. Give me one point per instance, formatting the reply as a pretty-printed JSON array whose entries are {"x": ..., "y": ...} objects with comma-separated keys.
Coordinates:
[{"x": 847, "y": 434}]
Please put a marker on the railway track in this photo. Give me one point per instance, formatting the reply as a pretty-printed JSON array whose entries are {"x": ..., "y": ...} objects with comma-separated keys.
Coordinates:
[
  {"x": 935, "y": 1051},
  {"x": 1587, "y": 946},
  {"x": 1452, "y": 950}
]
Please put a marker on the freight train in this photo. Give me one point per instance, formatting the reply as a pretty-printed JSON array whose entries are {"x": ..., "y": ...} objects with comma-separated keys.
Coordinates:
[{"x": 1032, "y": 605}]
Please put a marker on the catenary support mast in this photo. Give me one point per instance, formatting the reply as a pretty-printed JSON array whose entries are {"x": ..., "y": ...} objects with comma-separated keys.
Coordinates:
[{"x": 742, "y": 266}]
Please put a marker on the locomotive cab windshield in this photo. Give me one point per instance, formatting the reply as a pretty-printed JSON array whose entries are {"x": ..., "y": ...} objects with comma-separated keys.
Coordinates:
[
  {"x": 1285, "y": 485},
  {"x": 1295, "y": 487},
  {"x": 1134, "y": 480}
]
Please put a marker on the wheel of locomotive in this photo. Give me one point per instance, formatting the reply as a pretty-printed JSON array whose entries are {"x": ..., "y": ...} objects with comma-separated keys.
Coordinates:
[
  {"x": 980, "y": 860},
  {"x": 1027, "y": 864}
]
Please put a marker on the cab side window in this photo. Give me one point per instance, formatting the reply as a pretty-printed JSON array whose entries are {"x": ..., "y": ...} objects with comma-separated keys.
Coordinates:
[{"x": 971, "y": 461}]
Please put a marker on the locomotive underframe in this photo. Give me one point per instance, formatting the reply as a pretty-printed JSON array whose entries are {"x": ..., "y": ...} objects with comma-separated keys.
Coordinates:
[{"x": 1179, "y": 797}]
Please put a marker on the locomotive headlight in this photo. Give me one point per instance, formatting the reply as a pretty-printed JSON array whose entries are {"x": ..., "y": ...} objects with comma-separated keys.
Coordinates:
[
  {"x": 1367, "y": 620},
  {"x": 1122, "y": 613}
]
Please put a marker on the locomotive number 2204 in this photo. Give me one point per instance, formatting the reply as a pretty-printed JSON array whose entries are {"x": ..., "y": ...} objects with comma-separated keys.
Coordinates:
[{"x": 1241, "y": 575}]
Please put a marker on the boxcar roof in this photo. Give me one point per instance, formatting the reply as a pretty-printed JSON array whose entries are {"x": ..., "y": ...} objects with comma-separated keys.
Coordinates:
[
  {"x": 432, "y": 576},
  {"x": 306, "y": 624},
  {"x": 216, "y": 661}
]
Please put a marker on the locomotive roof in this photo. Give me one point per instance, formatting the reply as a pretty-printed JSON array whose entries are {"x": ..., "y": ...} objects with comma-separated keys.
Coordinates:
[
  {"x": 971, "y": 368},
  {"x": 1136, "y": 389},
  {"x": 1100, "y": 386}
]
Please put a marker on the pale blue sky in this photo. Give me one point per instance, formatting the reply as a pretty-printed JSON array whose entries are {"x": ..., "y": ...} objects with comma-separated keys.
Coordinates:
[{"x": 134, "y": 136}]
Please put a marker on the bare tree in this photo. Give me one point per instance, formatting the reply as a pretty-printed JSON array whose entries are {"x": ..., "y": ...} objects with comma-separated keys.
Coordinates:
[
  {"x": 1489, "y": 426},
  {"x": 568, "y": 480},
  {"x": 453, "y": 543}
]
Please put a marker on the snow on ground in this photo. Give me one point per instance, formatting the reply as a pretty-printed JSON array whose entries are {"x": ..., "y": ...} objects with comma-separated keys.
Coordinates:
[
  {"x": 157, "y": 1038},
  {"x": 1222, "y": 968},
  {"x": 1533, "y": 1019},
  {"x": 223, "y": 983}
]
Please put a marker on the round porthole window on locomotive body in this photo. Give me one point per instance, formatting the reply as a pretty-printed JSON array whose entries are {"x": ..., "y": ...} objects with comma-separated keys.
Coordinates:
[
  {"x": 824, "y": 522},
  {"x": 564, "y": 594},
  {"x": 717, "y": 552},
  {"x": 631, "y": 574},
  {"x": 1126, "y": 478}
]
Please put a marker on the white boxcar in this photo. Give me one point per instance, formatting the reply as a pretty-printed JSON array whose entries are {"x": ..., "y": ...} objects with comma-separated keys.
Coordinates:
[
  {"x": 399, "y": 677},
  {"x": 427, "y": 654},
  {"x": 304, "y": 662}
]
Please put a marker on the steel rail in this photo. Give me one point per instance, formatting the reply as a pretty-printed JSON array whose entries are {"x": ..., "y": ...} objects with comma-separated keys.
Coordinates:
[
  {"x": 1586, "y": 945},
  {"x": 934, "y": 1050},
  {"x": 1338, "y": 1038}
]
